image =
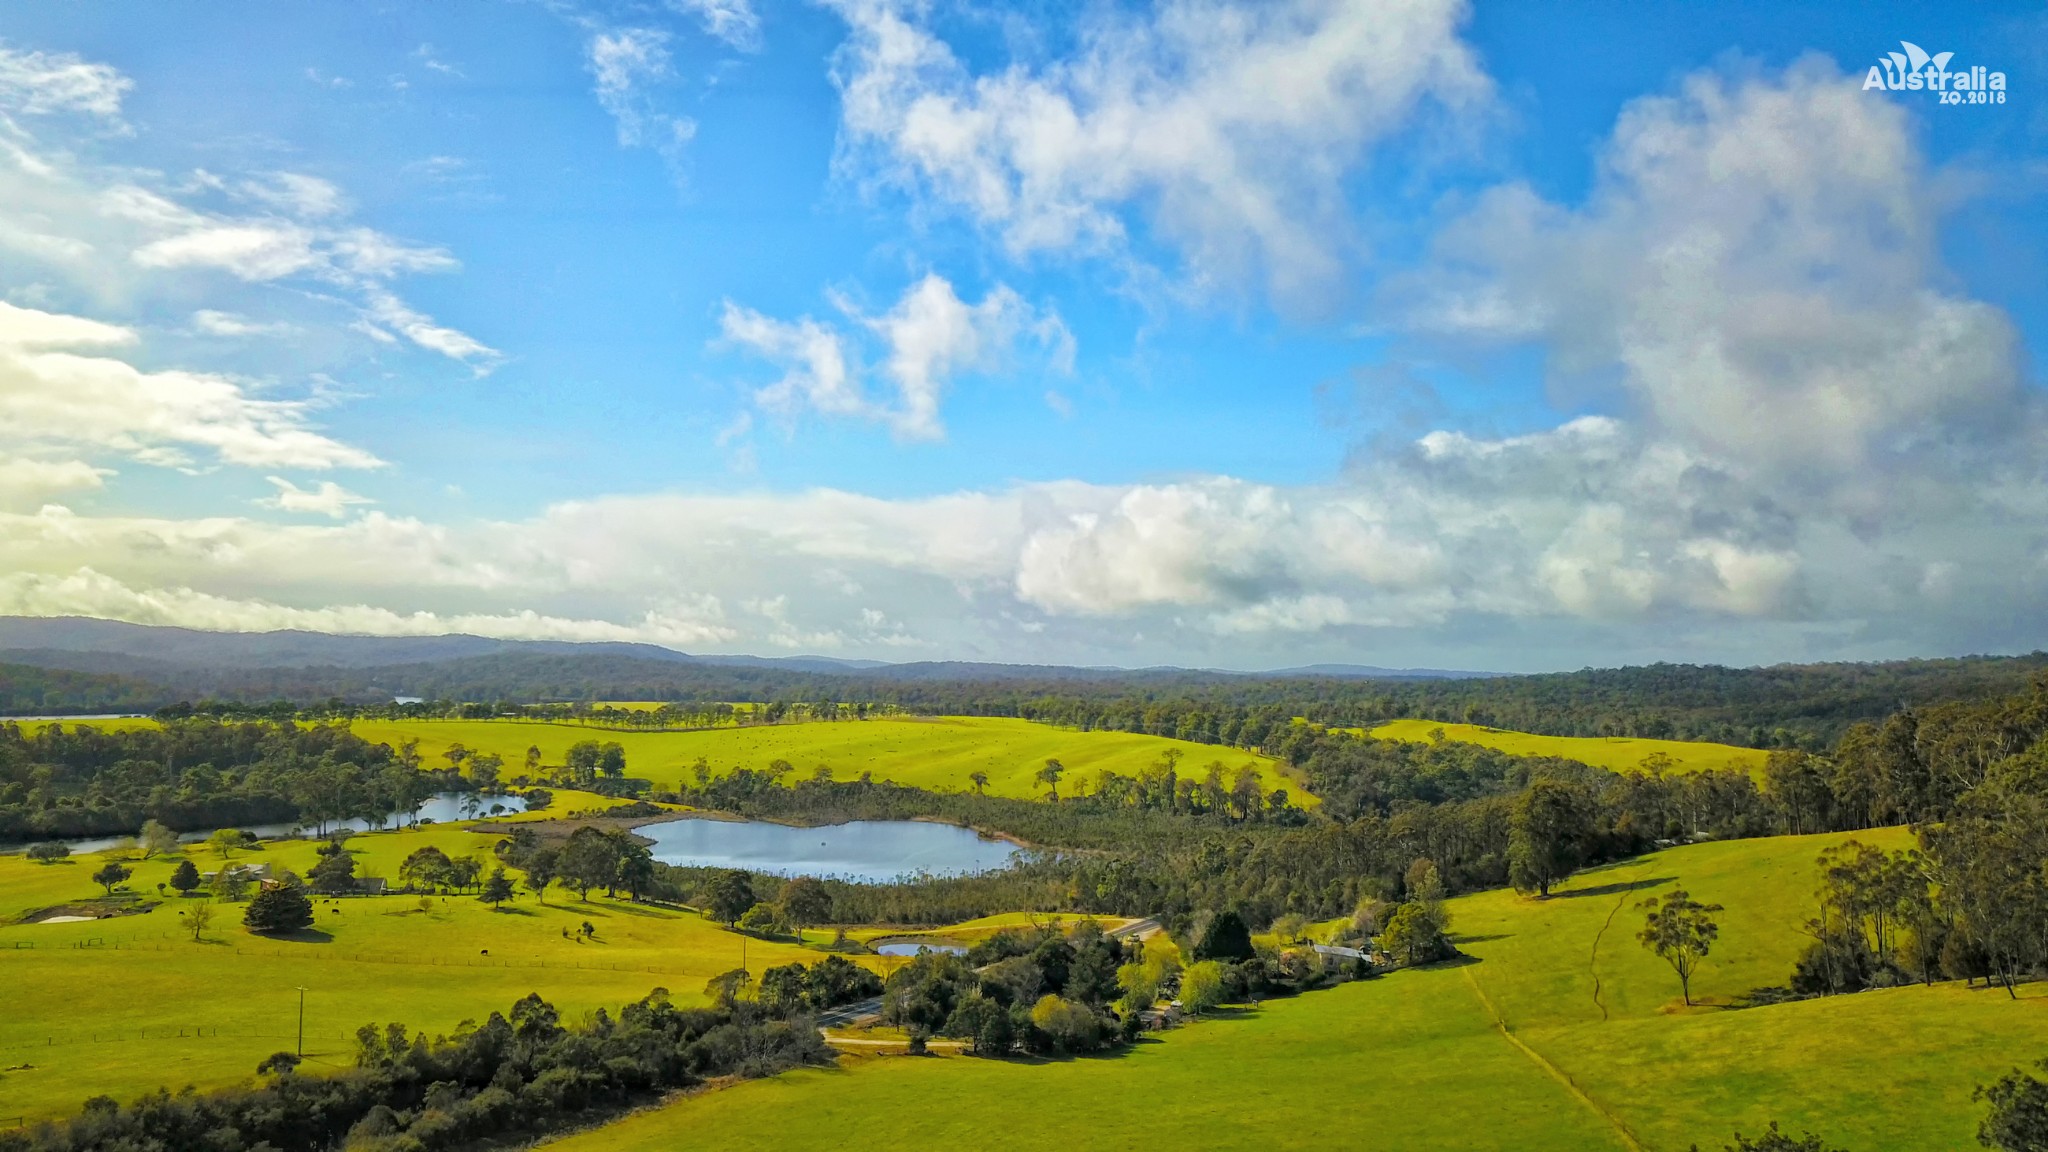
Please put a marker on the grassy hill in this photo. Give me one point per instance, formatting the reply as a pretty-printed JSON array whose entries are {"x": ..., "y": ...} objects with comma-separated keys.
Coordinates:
[
  {"x": 1615, "y": 753},
  {"x": 1561, "y": 1033},
  {"x": 124, "y": 1005},
  {"x": 936, "y": 753}
]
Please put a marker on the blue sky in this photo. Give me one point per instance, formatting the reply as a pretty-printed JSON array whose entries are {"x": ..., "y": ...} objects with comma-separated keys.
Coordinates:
[{"x": 1234, "y": 335}]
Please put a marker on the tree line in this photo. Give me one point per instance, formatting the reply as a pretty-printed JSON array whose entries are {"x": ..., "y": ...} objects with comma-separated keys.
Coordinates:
[
  {"x": 519, "y": 1072},
  {"x": 84, "y": 780},
  {"x": 1804, "y": 706}
]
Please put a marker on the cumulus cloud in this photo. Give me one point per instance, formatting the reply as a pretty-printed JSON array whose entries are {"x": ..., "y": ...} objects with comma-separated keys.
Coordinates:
[
  {"x": 26, "y": 483},
  {"x": 1815, "y": 444},
  {"x": 60, "y": 383},
  {"x": 1227, "y": 128},
  {"x": 89, "y": 593},
  {"x": 929, "y": 337},
  {"x": 1816, "y": 424},
  {"x": 1757, "y": 265}
]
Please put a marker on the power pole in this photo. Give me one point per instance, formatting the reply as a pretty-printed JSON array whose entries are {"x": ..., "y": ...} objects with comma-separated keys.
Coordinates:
[{"x": 302, "y": 1020}]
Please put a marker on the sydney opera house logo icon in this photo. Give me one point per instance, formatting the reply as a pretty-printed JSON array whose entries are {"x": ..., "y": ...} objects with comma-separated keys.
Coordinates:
[{"x": 1915, "y": 70}]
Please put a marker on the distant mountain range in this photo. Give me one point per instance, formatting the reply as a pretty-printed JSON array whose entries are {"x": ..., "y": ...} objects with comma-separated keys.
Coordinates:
[
  {"x": 83, "y": 666},
  {"x": 113, "y": 647}
]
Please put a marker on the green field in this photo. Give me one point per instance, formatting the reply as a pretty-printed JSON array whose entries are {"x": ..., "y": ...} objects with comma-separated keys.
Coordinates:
[
  {"x": 983, "y": 926},
  {"x": 1415, "y": 1061},
  {"x": 98, "y": 1007},
  {"x": 118, "y": 724},
  {"x": 1615, "y": 753},
  {"x": 939, "y": 754}
]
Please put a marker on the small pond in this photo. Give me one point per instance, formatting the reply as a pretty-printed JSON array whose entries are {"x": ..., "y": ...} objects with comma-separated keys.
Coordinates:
[
  {"x": 913, "y": 947},
  {"x": 862, "y": 851},
  {"x": 440, "y": 808}
]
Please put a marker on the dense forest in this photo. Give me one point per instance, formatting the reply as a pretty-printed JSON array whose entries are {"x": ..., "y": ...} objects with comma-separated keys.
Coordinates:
[
  {"x": 1804, "y": 706},
  {"x": 26, "y": 690}
]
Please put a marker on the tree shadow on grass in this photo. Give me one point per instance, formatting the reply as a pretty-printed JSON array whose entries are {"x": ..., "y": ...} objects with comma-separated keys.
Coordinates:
[
  {"x": 1616, "y": 888},
  {"x": 644, "y": 911},
  {"x": 515, "y": 911},
  {"x": 1461, "y": 960},
  {"x": 302, "y": 936},
  {"x": 1458, "y": 939},
  {"x": 1036, "y": 1059}
]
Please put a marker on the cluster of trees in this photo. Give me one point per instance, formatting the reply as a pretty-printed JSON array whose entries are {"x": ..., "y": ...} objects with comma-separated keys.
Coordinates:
[
  {"x": 81, "y": 780},
  {"x": 523, "y": 1072},
  {"x": 1043, "y": 991},
  {"x": 662, "y": 717},
  {"x": 430, "y": 869},
  {"x": 796, "y": 990},
  {"x": 1414, "y": 931},
  {"x": 1971, "y": 902},
  {"x": 1915, "y": 766},
  {"x": 591, "y": 857}
]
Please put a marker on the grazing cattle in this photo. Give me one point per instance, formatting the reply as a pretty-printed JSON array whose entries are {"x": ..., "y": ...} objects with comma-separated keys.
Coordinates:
[{"x": 486, "y": 952}]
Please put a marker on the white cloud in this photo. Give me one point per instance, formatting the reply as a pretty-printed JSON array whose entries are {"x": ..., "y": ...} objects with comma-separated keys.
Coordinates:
[
  {"x": 328, "y": 499},
  {"x": 40, "y": 83},
  {"x": 928, "y": 338},
  {"x": 819, "y": 375},
  {"x": 1589, "y": 532},
  {"x": 26, "y": 483},
  {"x": 251, "y": 251},
  {"x": 217, "y": 323},
  {"x": 1818, "y": 445},
  {"x": 628, "y": 65},
  {"x": 388, "y": 310},
  {"x": 57, "y": 386},
  {"x": 119, "y": 233},
  {"x": 296, "y": 194},
  {"x": 1230, "y": 128},
  {"x": 733, "y": 21},
  {"x": 89, "y": 593},
  {"x": 428, "y": 60},
  {"x": 1758, "y": 262}
]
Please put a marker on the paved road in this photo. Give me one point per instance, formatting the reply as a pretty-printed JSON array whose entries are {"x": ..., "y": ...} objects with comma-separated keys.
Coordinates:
[
  {"x": 1138, "y": 928},
  {"x": 851, "y": 1015}
]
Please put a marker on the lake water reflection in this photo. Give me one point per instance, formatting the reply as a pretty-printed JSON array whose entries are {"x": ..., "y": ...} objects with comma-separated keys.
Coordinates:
[
  {"x": 440, "y": 808},
  {"x": 864, "y": 851}
]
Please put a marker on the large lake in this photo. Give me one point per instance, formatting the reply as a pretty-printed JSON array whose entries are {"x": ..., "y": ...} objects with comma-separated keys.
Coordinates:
[{"x": 863, "y": 851}]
